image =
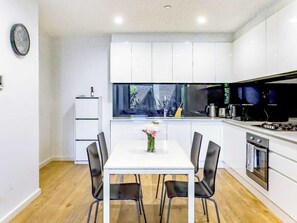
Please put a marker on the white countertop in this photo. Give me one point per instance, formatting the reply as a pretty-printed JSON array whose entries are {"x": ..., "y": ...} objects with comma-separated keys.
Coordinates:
[
  {"x": 283, "y": 135},
  {"x": 124, "y": 119}
]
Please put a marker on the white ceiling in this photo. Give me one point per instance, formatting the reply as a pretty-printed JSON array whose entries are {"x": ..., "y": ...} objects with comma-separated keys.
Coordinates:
[{"x": 93, "y": 17}]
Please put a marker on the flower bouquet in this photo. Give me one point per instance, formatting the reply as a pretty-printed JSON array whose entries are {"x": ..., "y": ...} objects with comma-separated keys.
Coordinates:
[{"x": 151, "y": 131}]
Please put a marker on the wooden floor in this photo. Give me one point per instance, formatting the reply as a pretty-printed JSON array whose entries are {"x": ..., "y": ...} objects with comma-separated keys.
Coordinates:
[{"x": 66, "y": 198}]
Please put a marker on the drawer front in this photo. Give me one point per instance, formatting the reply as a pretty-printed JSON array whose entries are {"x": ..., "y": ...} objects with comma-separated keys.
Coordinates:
[
  {"x": 86, "y": 108},
  {"x": 283, "y": 192},
  {"x": 87, "y": 129},
  {"x": 81, "y": 150},
  {"x": 284, "y": 148},
  {"x": 283, "y": 165}
]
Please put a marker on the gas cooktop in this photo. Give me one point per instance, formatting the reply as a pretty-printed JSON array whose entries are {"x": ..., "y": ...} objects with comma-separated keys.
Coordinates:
[{"x": 279, "y": 126}]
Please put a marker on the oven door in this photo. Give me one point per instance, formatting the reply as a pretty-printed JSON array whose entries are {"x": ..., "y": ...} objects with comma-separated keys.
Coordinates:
[
  {"x": 261, "y": 163},
  {"x": 257, "y": 164}
]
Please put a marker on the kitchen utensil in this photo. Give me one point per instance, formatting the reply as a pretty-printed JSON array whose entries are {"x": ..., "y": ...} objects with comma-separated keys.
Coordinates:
[
  {"x": 232, "y": 111},
  {"x": 222, "y": 112},
  {"x": 211, "y": 110},
  {"x": 179, "y": 111}
]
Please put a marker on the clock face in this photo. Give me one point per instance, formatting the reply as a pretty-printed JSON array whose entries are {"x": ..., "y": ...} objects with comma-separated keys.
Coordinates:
[{"x": 20, "y": 39}]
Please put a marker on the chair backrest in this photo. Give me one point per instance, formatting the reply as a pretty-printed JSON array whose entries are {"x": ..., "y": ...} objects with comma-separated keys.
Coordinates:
[
  {"x": 95, "y": 169},
  {"x": 102, "y": 148},
  {"x": 195, "y": 150},
  {"x": 211, "y": 166}
]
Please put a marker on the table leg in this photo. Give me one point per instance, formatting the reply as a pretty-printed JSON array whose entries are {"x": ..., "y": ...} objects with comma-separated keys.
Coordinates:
[
  {"x": 191, "y": 198},
  {"x": 106, "y": 197}
]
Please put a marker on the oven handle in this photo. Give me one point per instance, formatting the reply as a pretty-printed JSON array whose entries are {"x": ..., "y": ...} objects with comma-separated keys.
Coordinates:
[{"x": 261, "y": 149}]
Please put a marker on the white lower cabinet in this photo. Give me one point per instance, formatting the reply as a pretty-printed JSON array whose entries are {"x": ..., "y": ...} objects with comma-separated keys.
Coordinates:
[
  {"x": 211, "y": 131},
  {"x": 81, "y": 150},
  {"x": 127, "y": 130},
  {"x": 282, "y": 176},
  {"x": 234, "y": 140},
  {"x": 87, "y": 125},
  {"x": 181, "y": 132},
  {"x": 283, "y": 192}
]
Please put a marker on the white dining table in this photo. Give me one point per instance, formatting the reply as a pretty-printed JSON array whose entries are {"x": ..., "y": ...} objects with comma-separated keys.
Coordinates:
[{"x": 130, "y": 157}]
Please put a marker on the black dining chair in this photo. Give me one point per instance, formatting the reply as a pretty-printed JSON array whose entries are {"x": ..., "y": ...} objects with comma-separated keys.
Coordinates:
[
  {"x": 123, "y": 191},
  {"x": 104, "y": 153},
  {"x": 195, "y": 153},
  {"x": 204, "y": 189}
]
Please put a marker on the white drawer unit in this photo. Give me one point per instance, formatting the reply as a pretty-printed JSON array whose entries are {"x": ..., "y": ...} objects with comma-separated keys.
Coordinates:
[
  {"x": 87, "y": 125},
  {"x": 80, "y": 150}
]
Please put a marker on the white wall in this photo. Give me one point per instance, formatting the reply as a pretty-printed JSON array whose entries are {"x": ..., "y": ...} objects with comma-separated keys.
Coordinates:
[
  {"x": 19, "y": 132},
  {"x": 77, "y": 64},
  {"x": 45, "y": 97}
]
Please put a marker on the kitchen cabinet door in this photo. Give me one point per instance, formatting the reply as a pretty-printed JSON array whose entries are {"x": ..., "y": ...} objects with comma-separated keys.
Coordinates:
[
  {"x": 86, "y": 129},
  {"x": 86, "y": 108},
  {"x": 204, "y": 63},
  {"x": 80, "y": 151},
  {"x": 283, "y": 192},
  {"x": 162, "y": 62},
  {"x": 125, "y": 131},
  {"x": 234, "y": 141},
  {"x": 223, "y": 62},
  {"x": 182, "y": 62},
  {"x": 211, "y": 131},
  {"x": 287, "y": 32},
  {"x": 141, "y": 62},
  {"x": 120, "y": 63},
  {"x": 271, "y": 45},
  {"x": 181, "y": 132}
]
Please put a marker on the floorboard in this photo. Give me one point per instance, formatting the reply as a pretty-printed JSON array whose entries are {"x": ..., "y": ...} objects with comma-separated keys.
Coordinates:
[{"x": 66, "y": 196}]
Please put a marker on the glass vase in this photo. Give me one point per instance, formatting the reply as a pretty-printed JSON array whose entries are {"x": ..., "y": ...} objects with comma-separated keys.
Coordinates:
[{"x": 150, "y": 144}]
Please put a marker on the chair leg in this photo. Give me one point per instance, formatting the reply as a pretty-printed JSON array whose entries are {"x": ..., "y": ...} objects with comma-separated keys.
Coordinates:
[
  {"x": 136, "y": 179},
  {"x": 206, "y": 208},
  {"x": 217, "y": 210},
  {"x": 90, "y": 210},
  {"x": 203, "y": 206},
  {"x": 163, "y": 205},
  {"x": 141, "y": 202},
  {"x": 138, "y": 211},
  {"x": 95, "y": 220},
  {"x": 169, "y": 206},
  {"x": 158, "y": 185},
  {"x": 162, "y": 191}
]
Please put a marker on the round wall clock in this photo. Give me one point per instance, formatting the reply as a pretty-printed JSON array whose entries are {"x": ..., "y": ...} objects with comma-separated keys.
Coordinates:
[{"x": 20, "y": 39}]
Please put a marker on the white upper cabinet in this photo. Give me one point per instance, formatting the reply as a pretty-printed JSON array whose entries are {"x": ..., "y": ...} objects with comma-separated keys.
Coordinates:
[
  {"x": 162, "y": 62},
  {"x": 182, "y": 62},
  {"x": 249, "y": 54},
  {"x": 223, "y": 62},
  {"x": 271, "y": 45},
  {"x": 120, "y": 63},
  {"x": 287, "y": 32},
  {"x": 204, "y": 63},
  {"x": 141, "y": 62}
]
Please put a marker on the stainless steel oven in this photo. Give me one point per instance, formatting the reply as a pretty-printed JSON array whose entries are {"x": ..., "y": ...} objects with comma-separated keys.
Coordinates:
[{"x": 257, "y": 149}]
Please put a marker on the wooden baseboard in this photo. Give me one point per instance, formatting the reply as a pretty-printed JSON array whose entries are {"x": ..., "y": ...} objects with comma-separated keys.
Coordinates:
[
  {"x": 272, "y": 206},
  {"x": 45, "y": 162},
  {"x": 62, "y": 158},
  {"x": 55, "y": 158},
  {"x": 20, "y": 207}
]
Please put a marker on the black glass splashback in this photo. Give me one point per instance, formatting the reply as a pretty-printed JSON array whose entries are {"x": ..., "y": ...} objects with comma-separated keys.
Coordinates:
[{"x": 153, "y": 100}]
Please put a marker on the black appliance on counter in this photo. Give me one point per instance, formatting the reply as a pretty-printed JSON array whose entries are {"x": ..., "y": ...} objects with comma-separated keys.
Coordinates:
[
  {"x": 270, "y": 113},
  {"x": 257, "y": 149}
]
